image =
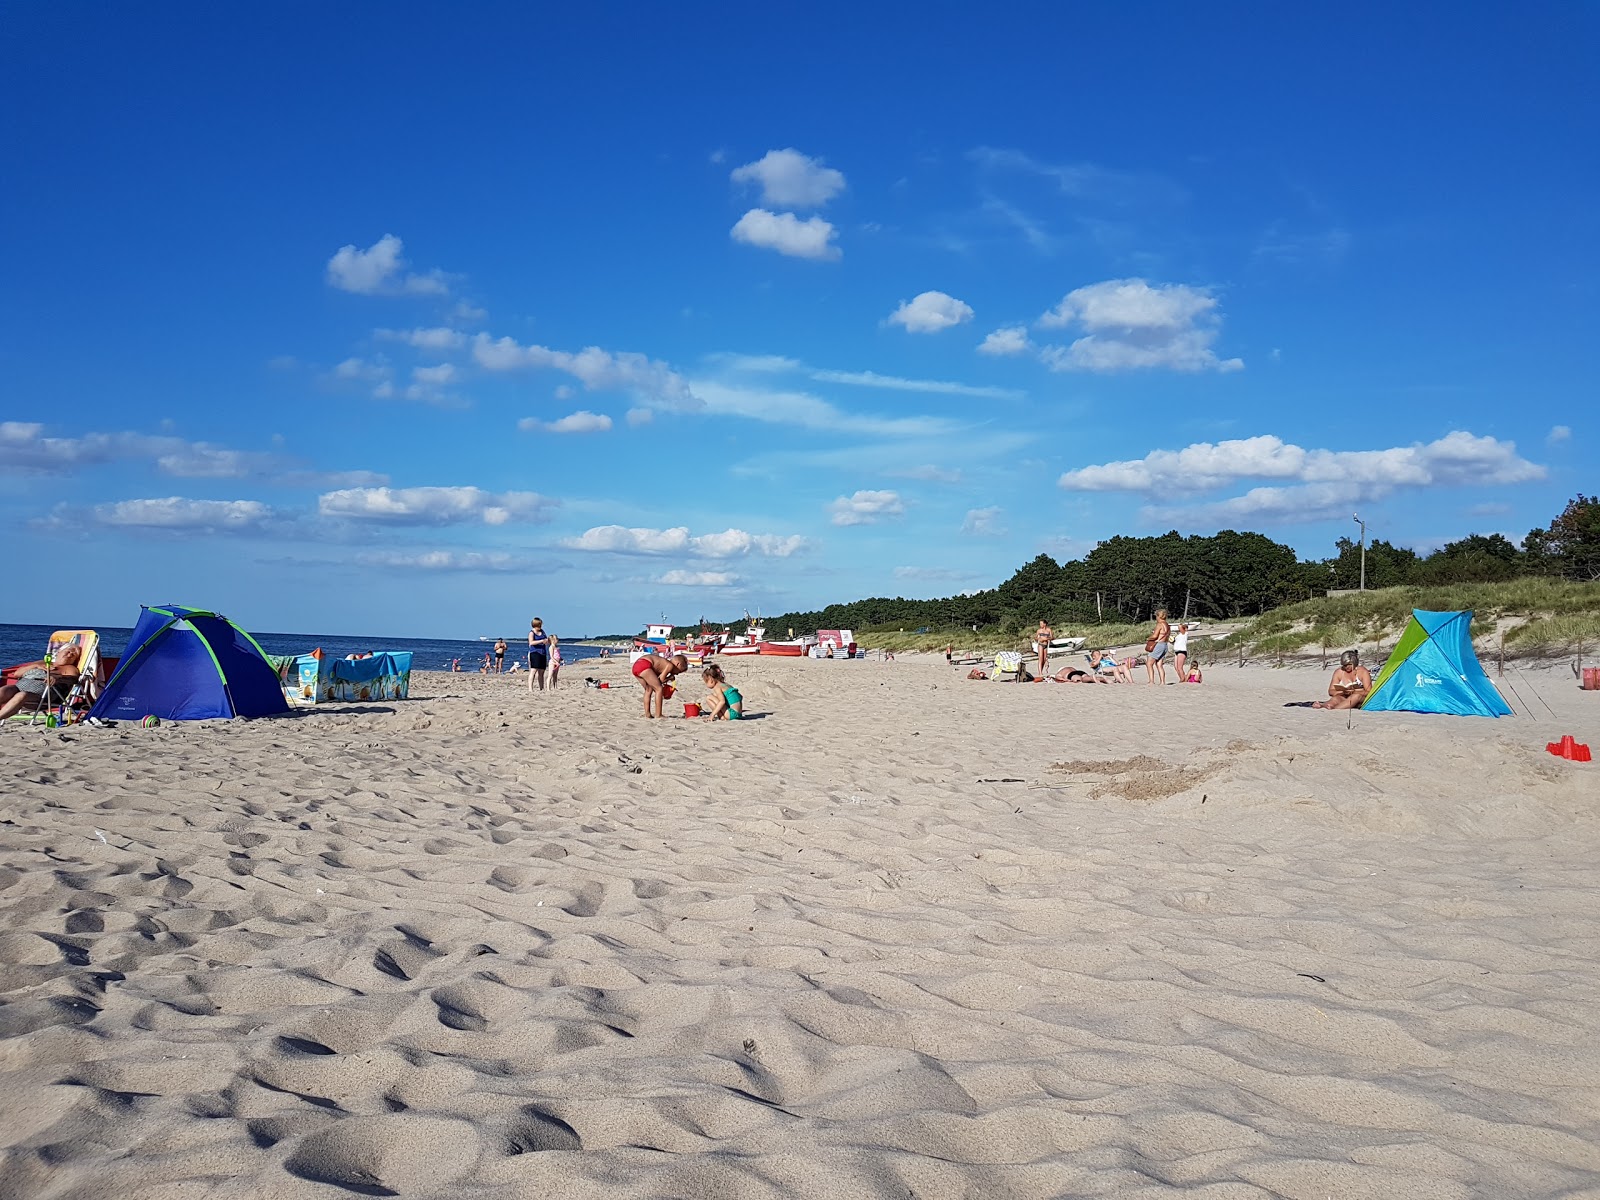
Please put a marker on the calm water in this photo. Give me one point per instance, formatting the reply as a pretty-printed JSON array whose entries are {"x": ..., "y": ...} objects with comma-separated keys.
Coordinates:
[{"x": 20, "y": 643}]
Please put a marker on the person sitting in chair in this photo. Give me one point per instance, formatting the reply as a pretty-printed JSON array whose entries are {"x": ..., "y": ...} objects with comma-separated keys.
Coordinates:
[
  {"x": 1349, "y": 685},
  {"x": 39, "y": 684}
]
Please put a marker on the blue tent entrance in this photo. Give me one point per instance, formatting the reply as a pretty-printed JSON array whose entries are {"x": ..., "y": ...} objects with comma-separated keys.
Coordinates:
[
  {"x": 186, "y": 664},
  {"x": 1433, "y": 670}
]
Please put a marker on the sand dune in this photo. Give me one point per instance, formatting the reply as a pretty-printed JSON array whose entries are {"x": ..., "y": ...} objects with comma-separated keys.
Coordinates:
[{"x": 903, "y": 936}]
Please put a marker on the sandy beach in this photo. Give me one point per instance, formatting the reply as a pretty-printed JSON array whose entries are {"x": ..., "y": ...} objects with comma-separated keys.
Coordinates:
[{"x": 902, "y": 936}]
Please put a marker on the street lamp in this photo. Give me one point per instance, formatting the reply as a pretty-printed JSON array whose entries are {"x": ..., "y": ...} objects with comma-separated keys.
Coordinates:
[{"x": 1357, "y": 518}]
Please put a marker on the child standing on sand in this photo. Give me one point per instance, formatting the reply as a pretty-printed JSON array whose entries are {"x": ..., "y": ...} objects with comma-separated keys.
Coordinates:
[
  {"x": 555, "y": 660},
  {"x": 655, "y": 674},
  {"x": 728, "y": 703}
]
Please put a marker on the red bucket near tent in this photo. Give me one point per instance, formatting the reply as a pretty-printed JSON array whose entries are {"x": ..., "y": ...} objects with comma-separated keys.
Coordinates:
[{"x": 1591, "y": 679}]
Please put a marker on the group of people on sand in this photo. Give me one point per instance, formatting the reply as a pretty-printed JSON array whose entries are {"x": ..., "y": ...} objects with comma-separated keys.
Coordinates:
[
  {"x": 1164, "y": 645},
  {"x": 655, "y": 673}
]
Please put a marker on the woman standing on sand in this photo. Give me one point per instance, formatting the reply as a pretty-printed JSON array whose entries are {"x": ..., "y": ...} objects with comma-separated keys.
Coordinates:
[
  {"x": 1041, "y": 642},
  {"x": 1159, "y": 643}
]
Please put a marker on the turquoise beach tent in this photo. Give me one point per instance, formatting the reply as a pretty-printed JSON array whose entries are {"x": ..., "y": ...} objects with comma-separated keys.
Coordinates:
[
  {"x": 187, "y": 664},
  {"x": 1434, "y": 670}
]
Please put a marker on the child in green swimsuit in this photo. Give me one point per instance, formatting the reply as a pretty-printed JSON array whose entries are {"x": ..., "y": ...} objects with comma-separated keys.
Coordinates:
[{"x": 728, "y": 702}]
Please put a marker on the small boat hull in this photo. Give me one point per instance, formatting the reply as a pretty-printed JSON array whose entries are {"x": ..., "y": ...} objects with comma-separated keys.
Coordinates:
[
  {"x": 783, "y": 649},
  {"x": 741, "y": 650}
]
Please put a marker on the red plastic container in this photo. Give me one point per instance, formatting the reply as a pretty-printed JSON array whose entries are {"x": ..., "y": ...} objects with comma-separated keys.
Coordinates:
[
  {"x": 1591, "y": 679},
  {"x": 690, "y": 710},
  {"x": 1569, "y": 748}
]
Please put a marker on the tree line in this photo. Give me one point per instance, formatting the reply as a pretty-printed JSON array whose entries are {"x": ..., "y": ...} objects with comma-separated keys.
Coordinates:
[{"x": 1217, "y": 576}]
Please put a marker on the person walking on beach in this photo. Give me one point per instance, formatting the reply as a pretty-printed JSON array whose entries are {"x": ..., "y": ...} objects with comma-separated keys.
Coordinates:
[
  {"x": 500, "y": 656},
  {"x": 1041, "y": 642},
  {"x": 1156, "y": 648},
  {"x": 538, "y": 653},
  {"x": 655, "y": 675},
  {"x": 1180, "y": 652}
]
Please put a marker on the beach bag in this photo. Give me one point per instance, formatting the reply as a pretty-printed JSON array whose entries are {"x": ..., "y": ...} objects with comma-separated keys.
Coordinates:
[{"x": 1150, "y": 643}]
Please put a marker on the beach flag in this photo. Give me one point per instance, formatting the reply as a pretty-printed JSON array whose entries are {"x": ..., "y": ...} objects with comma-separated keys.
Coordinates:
[{"x": 1434, "y": 670}]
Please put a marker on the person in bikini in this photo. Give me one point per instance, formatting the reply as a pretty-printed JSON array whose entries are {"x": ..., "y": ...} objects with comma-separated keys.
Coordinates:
[
  {"x": 1350, "y": 684},
  {"x": 655, "y": 675},
  {"x": 1041, "y": 642}
]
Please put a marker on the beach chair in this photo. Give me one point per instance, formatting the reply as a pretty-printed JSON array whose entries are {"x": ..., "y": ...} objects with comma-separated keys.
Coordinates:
[{"x": 85, "y": 688}]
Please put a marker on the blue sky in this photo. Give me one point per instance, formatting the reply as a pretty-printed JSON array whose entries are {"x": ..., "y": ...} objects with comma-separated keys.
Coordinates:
[{"x": 421, "y": 320}]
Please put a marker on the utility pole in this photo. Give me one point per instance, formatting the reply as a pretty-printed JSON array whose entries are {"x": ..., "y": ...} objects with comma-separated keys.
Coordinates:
[{"x": 1357, "y": 518}]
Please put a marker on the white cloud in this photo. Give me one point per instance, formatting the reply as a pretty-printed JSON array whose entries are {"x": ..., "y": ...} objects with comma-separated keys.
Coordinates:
[
  {"x": 730, "y": 543},
  {"x": 812, "y": 412},
  {"x": 437, "y": 338},
  {"x": 1011, "y": 340},
  {"x": 1456, "y": 459},
  {"x": 564, "y": 391},
  {"x": 1321, "y": 484},
  {"x": 436, "y": 376},
  {"x": 361, "y": 370},
  {"x": 787, "y": 234},
  {"x": 789, "y": 179},
  {"x": 640, "y": 416},
  {"x": 25, "y": 448},
  {"x": 681, "y": 578},
  {"x": 866, "y": 507},
  {"x": 931, "y": 312},
  {"x": 596, "y": 369},
  {"x": 1558, "y": 434},
  {"x": 983, "y": 522},
  {"x": 434, "y": 505},
  {"x": 379, "y": 270},
  {"x": 1131, "y": 325},
  {"x": 775, "y": 364},
  {"x": 178, "y": 513},
  {"x": 578, "y": 422},
  {"x": 470, "y": 562}
]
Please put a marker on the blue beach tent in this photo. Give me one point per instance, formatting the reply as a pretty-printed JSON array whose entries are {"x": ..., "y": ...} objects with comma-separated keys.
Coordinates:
[
  {"x": 1433, "y": 670},
  {"x": 186, "y": 664}
]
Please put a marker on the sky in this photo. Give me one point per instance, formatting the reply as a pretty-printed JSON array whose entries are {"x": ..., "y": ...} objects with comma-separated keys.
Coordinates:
[{"x": 422, "y": 320}]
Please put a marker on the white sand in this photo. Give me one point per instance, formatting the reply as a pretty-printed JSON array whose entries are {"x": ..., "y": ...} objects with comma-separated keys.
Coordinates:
[{"x": 482, "y": 944}]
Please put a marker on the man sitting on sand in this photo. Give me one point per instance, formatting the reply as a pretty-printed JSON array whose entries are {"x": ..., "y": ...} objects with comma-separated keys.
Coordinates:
[{"x": 1349, "y": 685}]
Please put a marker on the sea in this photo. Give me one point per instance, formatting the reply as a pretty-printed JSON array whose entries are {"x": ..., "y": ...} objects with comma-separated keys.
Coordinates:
[{"x": 23, "y": 643}]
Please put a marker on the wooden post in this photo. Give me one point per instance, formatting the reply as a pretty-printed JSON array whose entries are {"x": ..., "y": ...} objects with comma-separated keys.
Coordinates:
[{"x": 1502, "y": 653}]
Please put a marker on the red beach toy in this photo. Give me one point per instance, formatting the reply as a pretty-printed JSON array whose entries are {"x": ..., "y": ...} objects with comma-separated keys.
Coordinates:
[{"x": 1569, "y": 748}]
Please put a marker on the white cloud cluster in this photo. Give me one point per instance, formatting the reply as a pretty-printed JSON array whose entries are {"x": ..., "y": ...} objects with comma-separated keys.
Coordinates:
[
  {"x": 380, "y": 270},
  {"x": 596, "y": 369},
  {"x": 866, "y": 507},
  {"x": 811, "y": 412},
  {"x": 787, "y": 234},
  {"x": 730, "y": 543},
  {"x": 790, "y": 179},
  {"x": 436, "y": 338},
  {"x": 581, "y": 421},
  {"x": 984, "y": 522},
  {"x": 682, "y": 578},
  {"x": 179, "y": 513},
  {"x": 24, "y": 447},
  {"x": 931, "y": 312},
  {"x": 1010, "y": 340},
  {"x": 468, "y": 561},
  {"x": 1320, "y": 483},
  {"x": 434, "y": 505},
  {"x": 1130, "y": 325}
]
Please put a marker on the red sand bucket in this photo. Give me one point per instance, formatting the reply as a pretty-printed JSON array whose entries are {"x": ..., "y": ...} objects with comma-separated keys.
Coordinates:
[
  {"x": 690, "y": 710},
  {"x": 1569, "y": 748},
  {"x": 666, "y": 691},
  {"x": 1591, "y": 679}
]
